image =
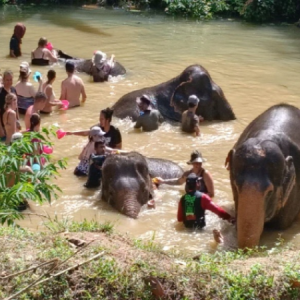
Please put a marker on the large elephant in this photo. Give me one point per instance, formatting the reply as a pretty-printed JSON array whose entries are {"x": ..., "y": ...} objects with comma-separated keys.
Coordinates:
[
  {"x": 170, "y": 97},
  {"x": 126, "y": 180},
  {"x": 86, "y": 66},
  {"x": 264, "y": 169}
]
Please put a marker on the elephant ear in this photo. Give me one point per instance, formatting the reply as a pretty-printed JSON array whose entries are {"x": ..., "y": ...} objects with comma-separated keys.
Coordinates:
[
  {"x": 289, "y": 179},
  {"x": 228, "y": 159}
]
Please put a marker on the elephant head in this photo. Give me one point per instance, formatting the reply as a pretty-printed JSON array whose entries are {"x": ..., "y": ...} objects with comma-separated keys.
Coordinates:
[
  {"x": 126, "y": 183},
  {"x": 262, "y": 179}
]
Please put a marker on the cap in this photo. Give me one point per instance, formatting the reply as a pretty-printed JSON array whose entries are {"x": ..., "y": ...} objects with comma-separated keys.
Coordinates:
[
  {"x": 196, "y": 157},
  {"x": 97, "y": 133},
  {"x": 193, "y": 99},
  {"x": 144, "y": 99},
  {"x": 16, "y": 136},
  {"x": 24, "y": 67}
]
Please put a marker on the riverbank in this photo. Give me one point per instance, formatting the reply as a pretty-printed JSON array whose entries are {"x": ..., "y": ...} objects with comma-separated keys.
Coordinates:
[{"x": 90, "y": 261}]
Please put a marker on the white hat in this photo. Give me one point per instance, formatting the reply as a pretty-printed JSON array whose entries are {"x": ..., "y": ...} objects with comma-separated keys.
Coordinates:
[
  {"x": 97, "y": 133},
  {"x": 24, "y": 67},
  {"x": 16, "y": 136},
  {"x": 99, "y": 58},
  {"x": 193, "y": 99}
]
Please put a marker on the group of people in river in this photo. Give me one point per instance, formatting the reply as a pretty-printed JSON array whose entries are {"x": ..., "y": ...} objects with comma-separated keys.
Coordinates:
[{"x": 103, "y": 138}]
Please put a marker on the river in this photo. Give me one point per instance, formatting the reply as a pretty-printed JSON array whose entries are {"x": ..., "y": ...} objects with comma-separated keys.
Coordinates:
[{"x": 256, "y": 66}]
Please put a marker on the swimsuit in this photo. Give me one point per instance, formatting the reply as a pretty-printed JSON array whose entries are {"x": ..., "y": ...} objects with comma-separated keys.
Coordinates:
[{"x": 40, "y": 61}]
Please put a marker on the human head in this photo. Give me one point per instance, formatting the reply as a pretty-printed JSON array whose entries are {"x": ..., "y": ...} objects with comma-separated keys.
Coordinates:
[
  {"x": 51, "y": 75},
  {"x": 7, "y": 79},
  {"x": 35, "y": 121},
  {"x": 24, "y": 70},
  {"x": 99, "y": 58},
  {"x": 193, "y": 101},
  {"x": 143, "y": 102},
  {"x": 192, "y": 182},
  {"x": 19, "y": 31},
  {"x": 11, "y": 101},
  {"x": 70, "y": 67},
  {"x": 106, "y": 116},
  {"x": 16, "y": 136},
  {"x": 42, "y": 42},
  {"x": 97, "y": 134},
  {"x": 40, "y": 100},
  {"x": 100, "y": 147},
  {"x": 196, "y": 160}
]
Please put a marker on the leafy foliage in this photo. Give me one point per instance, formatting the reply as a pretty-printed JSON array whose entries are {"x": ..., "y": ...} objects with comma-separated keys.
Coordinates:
[{"x": 18, "y": 182}]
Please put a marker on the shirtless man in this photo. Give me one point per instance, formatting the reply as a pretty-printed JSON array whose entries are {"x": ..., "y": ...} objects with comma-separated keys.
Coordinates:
[
  {"x": 39, "y": 103},
  {"x": 72, "y": 87}
]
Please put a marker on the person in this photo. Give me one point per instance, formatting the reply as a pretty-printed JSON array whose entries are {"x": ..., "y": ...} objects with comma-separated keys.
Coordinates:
[
  {"x": 42, "y": 56},
  {"x": 112, "y": 136},
  {"x": 35, "y": 123},
  {"x": 207, "y": 185},
  {"x": 25, "y": 89},
  {"x": 39, "y": 103},
  {"x": 95, "y": 135},
  {"x": 5, "y": 89},
  {"x": 101, "y": 66},
  {"x": 72, "y": 87},
  {"x": 16, "y": 40},
  {"x": 192, "y": 205},
  {"x": 151, "y": 118},
  {"x": 189, "y": 120},
  {"x": 96, "y": 161},
  {"x": 10, "y": 117},
  {"x": 48, "y": 90}
]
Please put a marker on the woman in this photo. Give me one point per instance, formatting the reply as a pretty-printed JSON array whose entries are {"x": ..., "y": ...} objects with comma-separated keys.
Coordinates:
[
  {"x": 35, "y": 123},
  {"x": 113, "y": 138},
  {"x": 16, "y": 40},
  {"x": 10, "y": 116},
  {"x": 48, "y": 90},
  {"x": 25, "y": 89},
  {"x": 42, "y": 56},
  {"x": 101, "y": 66},
  {"x": 206, "y": 186}
]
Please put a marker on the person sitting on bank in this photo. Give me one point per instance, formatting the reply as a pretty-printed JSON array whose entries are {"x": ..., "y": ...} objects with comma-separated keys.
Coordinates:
[
  {"x": 207, "y": 185},
  {"x": 189, "y": 120},
  {"x": 192, "y": 205},
  {"x": 42, "y": 56},
  {"x": 150, "y": 119},
  {"x": 16, "y": 40},
  {"x": 101, "y": 66}
]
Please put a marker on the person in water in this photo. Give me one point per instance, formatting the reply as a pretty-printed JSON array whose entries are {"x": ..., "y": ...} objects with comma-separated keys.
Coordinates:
[
  {"x": 112, "y": 136},
  {"x": 10, "y": 117},
  {"x": 35, "y": 123},
  {"x": 101, "y": 66},
  {"x": 16, "y": 40},
  {"x": 42, "y": 56},
  {"x": 48, "y": 90},
  {"x": 39, "y": 103},
  {"x": 25, "y": 90},
  {"x": 207, "y": 185},
  {"x": 192, "y": 205},
  {"x": 72, "y": 87},
  {"x": 189, "y": 120},
  {"x": 150, "y": 119}
]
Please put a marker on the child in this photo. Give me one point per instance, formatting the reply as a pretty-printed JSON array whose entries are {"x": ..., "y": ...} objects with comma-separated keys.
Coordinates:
[{"x": 192, "y": 205}]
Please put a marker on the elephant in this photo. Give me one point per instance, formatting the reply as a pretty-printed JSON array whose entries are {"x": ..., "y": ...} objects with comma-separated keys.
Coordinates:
[
  {"x": 126, "y": 180},
  {"x": 264, "y": 167},
  {"x": 86, "y": 66},
  {"x": 170, "y": 97}
]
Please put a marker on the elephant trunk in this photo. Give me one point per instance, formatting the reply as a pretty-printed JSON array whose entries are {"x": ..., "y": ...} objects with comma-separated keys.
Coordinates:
[{"x": 251, "y": 214}]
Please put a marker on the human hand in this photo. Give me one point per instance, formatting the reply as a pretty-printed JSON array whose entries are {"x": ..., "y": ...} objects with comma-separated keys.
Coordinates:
[{"x": 157, "y": 180}]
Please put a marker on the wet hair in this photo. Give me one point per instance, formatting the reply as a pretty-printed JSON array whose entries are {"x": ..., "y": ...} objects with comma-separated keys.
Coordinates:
[
  {"x": 35, "y": 120},
  {"x": 70, "y": 67},
  {"x": 192, "y": 105},
  {"x": 23, "y": 76},
  {"x": 100, "y": 143},
  {"x": 40, "y": 96},
  {"x": 42, "y": 42},
  {"x": 107, "y": 112},
  {"x": 50, "y": 75},
  {"x": 7, "y": 73},
  {"x": 9, "y": 100}
]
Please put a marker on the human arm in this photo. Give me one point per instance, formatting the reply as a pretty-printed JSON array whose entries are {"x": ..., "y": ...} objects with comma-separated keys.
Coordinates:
[
  {"x": 138, "y": 123},
  {"x": 207, "y": 204},
  {"x": 83, "y": 94},
  {"x": 111, "y": 61},
  {"x": 209, "y": 184},
  {"x": 196, "y": 125},
  {"x": 14, "y": 44},
  {"x": 50, "y": 55},
  {"x": 173, "y": 181},
  {"x": 79, "y": 133},
  {"x": 63, "y": 92},
  {"x": 180, "y": 211},
  {"x": 49, "y": 93},
  {"x": 12, "y": 127},
  {"x": 117, "y": 139},
  {"x": 115, "y": 151}
]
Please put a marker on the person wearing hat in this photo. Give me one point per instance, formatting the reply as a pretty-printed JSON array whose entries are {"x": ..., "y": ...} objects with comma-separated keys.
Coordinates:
[
  {"x": 189, "y": 120},
  {"x": 72, "y": 87},
  {"x": 149, "y": 119},
  {"x": 192, "y": 205},
  {"x": 101, "y": 66},
  {"x": 25, "y": 89},
  {"x": 196, "y": 160}
]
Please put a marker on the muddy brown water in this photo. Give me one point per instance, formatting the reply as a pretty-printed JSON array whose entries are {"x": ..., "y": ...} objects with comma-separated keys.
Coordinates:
[{"x": 256, "y": 66}]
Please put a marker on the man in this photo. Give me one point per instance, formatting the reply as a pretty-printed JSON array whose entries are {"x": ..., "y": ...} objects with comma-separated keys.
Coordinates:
[
  {"x": 150, "y": 119},
  {"x": 196, "y": 160},
  {"x": 192, "y": 205},
  {"x": 72, "y": 87},
  {"x": 4, "y": 90},
  {"x": 189, "y": 119}
]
